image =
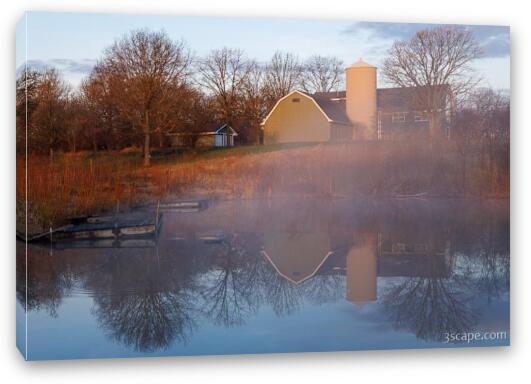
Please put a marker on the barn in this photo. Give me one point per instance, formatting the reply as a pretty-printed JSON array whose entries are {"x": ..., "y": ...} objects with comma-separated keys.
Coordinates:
[{"x": 302, "y": 117}]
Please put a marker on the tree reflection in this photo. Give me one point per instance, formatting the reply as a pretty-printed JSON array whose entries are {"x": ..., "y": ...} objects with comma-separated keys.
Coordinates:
[
  {"x": 493, "y": 276},
  {"x": 322, "y": 289},
  {"x": 284, "y": 296},
  {"x": 146, "y": 303},
  {"x": 230, "y": 290},
  {"x": 492, "y": 255},
  {"x": 147, "y": 321},
  {"x": 431, "y": 306},
  {"x": 49, "y": 279}
]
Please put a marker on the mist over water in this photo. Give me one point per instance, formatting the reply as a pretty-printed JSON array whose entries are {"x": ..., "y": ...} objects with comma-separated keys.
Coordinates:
[{"x": 278, "y": 275}]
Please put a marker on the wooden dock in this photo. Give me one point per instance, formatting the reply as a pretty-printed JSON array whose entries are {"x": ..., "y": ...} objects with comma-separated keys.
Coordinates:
[{"x": 118, "y": 226}]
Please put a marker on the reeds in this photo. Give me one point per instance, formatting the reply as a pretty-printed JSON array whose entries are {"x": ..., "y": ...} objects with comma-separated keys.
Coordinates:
[{"x": 85, "y": 184}]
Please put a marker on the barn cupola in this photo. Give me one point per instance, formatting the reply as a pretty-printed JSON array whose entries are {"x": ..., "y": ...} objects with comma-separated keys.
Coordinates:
[{"x": 361, "y": 99}]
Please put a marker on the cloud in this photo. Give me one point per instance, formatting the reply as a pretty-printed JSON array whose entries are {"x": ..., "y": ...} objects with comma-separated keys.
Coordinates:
[
  {"x": 68, "y": 67},
  {"x": 493, "y": 40}
]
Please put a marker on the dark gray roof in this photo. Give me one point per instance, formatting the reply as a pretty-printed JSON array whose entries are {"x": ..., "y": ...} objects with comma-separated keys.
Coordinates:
[
  {"x": 332, "y": 95},
  {"x": 388, "y": 99},
  {"x": 336, "y": 110},
  {"x": 395, "y": 99}
]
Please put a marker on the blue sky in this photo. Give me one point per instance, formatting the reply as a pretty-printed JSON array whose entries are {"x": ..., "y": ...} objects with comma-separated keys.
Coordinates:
[{"x": 72, "y": 42}]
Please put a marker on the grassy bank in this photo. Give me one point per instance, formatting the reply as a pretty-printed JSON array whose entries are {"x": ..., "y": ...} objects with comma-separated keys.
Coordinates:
[{"x": 86, "y": 183}]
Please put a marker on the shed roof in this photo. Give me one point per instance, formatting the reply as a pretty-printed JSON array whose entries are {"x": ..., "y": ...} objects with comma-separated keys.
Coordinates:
[{"x": 222, "y": 129}]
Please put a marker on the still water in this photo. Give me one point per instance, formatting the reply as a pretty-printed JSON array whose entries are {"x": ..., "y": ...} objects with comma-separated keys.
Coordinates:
[{"x": 274, "y": 276}]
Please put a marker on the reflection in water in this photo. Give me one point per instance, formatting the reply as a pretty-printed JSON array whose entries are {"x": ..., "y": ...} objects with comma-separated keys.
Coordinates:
[
  {"x": 423, "y": 266},
  {"x": 361, "y": 266},
  {"x": 228, "y": 290},
  {"x": 142, "y": 303}
]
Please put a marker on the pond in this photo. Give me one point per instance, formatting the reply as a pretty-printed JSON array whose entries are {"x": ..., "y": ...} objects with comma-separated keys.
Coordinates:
[{"x": 283, "y": 275}]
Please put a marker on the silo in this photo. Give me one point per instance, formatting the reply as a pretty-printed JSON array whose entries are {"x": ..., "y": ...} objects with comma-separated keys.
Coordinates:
[
  {"x": 361, "y": 99},
  {"x": 362, "y": 269}
]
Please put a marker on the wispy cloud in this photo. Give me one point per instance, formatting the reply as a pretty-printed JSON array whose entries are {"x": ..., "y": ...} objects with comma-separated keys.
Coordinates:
[
  {"x": 494, "y": 40},
  {"x": 65, "y": 66}
]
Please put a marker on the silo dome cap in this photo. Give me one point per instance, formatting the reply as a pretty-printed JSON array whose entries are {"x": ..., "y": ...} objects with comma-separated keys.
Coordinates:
[{"x": 361, "y": 64}]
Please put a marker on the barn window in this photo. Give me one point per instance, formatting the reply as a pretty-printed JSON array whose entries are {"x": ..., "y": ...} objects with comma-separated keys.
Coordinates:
[
  {"x": 420, "y": 116},
  {"x": 296, "y": 100},
  {"x": 399, "y": 117}
]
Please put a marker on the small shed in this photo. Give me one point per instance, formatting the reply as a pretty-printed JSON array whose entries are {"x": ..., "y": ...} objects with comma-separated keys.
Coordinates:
[
  {"x": 218, "y": 137},
  {"x": 224, "y": 136}
]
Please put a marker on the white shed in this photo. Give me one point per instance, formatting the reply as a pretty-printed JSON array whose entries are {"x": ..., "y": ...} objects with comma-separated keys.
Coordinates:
[{"x": 224, "y": 136}]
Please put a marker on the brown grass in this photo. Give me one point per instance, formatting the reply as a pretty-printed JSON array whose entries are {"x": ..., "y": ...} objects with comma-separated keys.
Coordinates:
[{"x": 84, "y": 184}]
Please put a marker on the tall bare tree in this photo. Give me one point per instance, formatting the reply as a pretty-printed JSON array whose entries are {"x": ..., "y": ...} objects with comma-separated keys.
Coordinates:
[
  {"x": 322, "y": 74},
  {"x": 480, "y": 129},
  {"x": 48, "y": 117},
  {"x": 99, "y": 97},
  {"x": 27, "y": 85},
  {"x": 147, "y": 64},
  {"x": 283, "y": 75},
  {"x": 224, "y": 73},
  {"x": 437, "y": 62},
  {"x": 254, "y": 105}
]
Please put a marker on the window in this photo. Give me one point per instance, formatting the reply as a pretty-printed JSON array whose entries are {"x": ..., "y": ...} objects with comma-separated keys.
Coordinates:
[
  {"x": 420, "y": 116},
  {"x": 398, "y": 247},
  {"x": 398, "y": 117},
  {"x": 295, "y": 100}
]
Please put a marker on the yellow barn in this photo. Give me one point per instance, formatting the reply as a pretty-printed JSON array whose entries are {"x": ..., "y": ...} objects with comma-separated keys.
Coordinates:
[{"x": 301, "y": 117}]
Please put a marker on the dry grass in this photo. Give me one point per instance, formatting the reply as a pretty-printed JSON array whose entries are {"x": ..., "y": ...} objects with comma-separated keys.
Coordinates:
[{"x": 83, "y": 184}]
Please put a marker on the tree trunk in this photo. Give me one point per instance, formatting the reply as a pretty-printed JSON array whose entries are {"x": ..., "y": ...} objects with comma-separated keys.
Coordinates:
[
  {"x": 433, "y": 124},
  {"x": 94, "y": 143},
  {"x": 464, "y": 175},
  {"x": 147, "y": 159}
]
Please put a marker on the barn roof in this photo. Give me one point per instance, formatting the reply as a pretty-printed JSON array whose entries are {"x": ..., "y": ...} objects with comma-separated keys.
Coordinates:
[
  {"x": 333, "y": 110},
  {"x": 296, "y": 256},
  {"x": 395, "y": 99},
  {"x": 388, "y": 99},
  {"x": 336, "y": 110}
]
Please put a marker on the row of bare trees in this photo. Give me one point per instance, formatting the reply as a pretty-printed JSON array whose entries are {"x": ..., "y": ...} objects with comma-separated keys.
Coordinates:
[{"x": 146, "y": 85}]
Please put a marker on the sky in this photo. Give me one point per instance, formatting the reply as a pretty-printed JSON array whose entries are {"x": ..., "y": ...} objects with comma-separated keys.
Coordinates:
[{"x": 73, "y": 42}]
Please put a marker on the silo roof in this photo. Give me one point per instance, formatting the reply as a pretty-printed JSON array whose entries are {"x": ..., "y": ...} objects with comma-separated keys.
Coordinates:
[{"x": 361, "y": 64}]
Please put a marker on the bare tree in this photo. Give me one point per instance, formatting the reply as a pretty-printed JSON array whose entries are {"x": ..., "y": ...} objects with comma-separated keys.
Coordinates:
[
  {"x": 254, "y": 106},
  {"x": 480, "y": 129},
  {"x": 283, "y": 75},
  {"x": 77, "y": 117},
  {"x": 48, "y": 117},
  {"x": 322, "y": 74},
  {"x": 98, "y": 92},
  {"x": 436, "y": 62},
  {"x": 223, "y": 73},
  {"x": 27, "y": 85},
  {"x": 146, "y": 63}
]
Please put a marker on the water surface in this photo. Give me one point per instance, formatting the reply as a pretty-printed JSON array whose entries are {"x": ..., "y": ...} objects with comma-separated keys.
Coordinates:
[{"x": 274, "y": 276}]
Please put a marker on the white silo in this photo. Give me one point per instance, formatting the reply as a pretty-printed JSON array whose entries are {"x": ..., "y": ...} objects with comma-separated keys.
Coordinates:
[{"x": 361, "y": 99}]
